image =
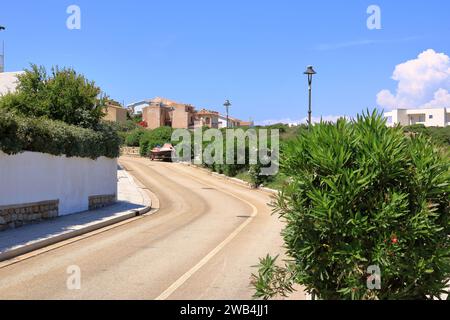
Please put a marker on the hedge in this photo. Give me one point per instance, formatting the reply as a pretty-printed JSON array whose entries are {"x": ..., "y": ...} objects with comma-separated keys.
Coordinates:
[
  {"x": 18, "y": 134},
  {"x": 153, "y": 138},
  {"x": 133, "y": 138}
]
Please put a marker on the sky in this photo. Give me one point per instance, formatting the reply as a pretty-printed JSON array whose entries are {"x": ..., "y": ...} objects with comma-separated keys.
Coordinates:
[{"x": 251, "y": 52}]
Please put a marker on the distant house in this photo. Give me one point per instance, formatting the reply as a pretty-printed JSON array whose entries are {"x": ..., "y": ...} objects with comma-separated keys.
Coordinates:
[
  {"x": 137, "y": 107},
  {"x": 247, "y": 124},
  {"x": 114, "y": 112},
  {"x": 208, "y": 118},
  {"x": 8, "y": 82},
  {"x": 165, "y": 112},
  {"x": 233, "y": 122},
  {"x": 437, "y": 117}
]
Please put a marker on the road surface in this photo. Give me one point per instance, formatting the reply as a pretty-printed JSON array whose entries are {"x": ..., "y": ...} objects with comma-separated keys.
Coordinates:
[{"x": 201, "y": 244}]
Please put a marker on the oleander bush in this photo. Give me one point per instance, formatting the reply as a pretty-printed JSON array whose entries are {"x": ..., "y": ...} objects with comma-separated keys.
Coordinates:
[
  {"x": 19, "y": 134},
  {"x": 361, "y": 194}
]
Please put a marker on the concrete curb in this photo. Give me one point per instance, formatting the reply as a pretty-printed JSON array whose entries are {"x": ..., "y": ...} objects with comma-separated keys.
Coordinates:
[
  {"x": 232, "y": 180},
  {"x": 22, "y": 250}
]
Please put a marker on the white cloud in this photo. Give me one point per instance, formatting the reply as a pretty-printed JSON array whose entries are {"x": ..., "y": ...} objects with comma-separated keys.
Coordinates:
[
  {"x": 422, "y": 83},
  {"x": 329, "y": 118}
]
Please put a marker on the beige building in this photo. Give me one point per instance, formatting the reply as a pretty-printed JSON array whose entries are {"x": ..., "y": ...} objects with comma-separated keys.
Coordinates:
[
  {"x": 162, "y": 112},
  {"x": 437, "y": 117},
  {"x": 115, "y": 113},
  {"x": 208, "y": 118}
]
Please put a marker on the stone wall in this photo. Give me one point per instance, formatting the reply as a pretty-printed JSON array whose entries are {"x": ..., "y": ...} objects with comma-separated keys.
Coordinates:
[
  {"x": 18, "y": 215},
  {"x": 130, "y": 151},
  {"x": 97, "y": 202}
]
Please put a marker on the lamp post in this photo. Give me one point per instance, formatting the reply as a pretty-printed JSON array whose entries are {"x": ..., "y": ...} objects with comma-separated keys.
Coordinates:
[
  {"x": 2, "y": 55},
  {"x": 227, "y": 106},
  {"x": 310, "y": 73}
]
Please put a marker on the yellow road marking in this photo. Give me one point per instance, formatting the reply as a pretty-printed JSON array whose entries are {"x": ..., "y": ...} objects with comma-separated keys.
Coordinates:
[{"x": 177, "y": 284}]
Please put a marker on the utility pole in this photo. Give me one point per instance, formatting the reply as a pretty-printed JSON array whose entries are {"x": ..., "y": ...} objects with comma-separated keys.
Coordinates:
[{"x": 2, "y": 55}]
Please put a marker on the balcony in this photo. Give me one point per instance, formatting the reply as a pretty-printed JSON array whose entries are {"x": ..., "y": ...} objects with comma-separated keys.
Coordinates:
[{"x": 417, "y": 119}]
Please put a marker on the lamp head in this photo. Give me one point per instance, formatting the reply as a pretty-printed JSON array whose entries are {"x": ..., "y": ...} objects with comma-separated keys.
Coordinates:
[{"x": 310, "y": 71}]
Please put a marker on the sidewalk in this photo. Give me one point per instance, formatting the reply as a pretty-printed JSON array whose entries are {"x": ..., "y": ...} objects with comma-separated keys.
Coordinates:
[{"x": 132, "y": 201}]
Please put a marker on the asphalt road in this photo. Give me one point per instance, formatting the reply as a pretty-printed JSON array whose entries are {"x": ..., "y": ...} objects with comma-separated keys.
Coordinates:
[{"x": 202, "y": 244}]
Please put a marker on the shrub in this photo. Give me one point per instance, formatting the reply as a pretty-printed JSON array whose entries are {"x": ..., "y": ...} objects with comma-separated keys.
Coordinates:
[
  {"x": 153, "y": 138},
  {"x": 438, "y": 135},
  {"x": 133, "y": 138},
  {"x": 19, "y": 134},
  {"x": 126, "y": 126},
  {"x": 63, "y": 95},
  {"x": 363, "y": 194}
]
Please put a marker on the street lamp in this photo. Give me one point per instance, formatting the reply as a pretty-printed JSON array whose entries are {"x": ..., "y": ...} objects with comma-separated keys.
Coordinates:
[
  {"x": 2, "y": 55},
  {"x": 310, "y": 72},
  {"x": 227, "y": 106}
]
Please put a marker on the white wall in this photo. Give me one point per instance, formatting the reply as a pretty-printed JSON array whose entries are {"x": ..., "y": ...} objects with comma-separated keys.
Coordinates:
[
  {"x": 433, "y": 117},
  {"x": 33, "y": 177},
  {"x": 437, "y": 116},
  {"x": 8, "y": 82}
]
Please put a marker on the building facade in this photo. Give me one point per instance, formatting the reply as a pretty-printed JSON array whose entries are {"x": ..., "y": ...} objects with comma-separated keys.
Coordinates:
[
  {"x": 115, "y": 113},
  {"x": 208, "y": 118},
  {"x": 162, "y": 112},
  {"x": 437, "y": 117}
]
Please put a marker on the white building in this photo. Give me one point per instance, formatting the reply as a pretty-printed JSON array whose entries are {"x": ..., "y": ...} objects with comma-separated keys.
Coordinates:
[
  {"x": 8, "y": 82},
  {"x": 137, "y": 107},
  {"x": 438, "y": 117}
]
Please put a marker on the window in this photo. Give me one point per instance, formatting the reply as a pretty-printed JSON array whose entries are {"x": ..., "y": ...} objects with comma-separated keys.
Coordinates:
[
  {"x": 430, "y": 116},
  {"x": 422, "y": 118}
]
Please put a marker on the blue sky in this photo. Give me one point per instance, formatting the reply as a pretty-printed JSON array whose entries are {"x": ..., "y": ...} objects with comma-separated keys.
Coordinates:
[{"x": 251, "y": 52}]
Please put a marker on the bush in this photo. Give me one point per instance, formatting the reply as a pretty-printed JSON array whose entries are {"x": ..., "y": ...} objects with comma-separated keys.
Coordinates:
[
  {"x": 126, "y": 126},
  {"x": 153, "y": 138},
  {"x": 439, "y": 135},
  {"x": 361, "y": 194},
  {"x": 19, "y": 134},
  {"x": 133, "y": 138},
  {"x": 63, "y": 95}
]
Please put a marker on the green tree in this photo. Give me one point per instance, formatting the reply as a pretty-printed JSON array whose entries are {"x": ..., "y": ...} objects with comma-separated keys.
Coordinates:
[
  {"x": 361, "y": 194},
  {"x": 63, "y": 95},
  {"x": 153, "y": 138}
]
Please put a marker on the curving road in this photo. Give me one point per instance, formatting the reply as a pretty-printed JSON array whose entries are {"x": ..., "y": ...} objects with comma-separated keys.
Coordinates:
[{"x": 201, "y": 244}]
